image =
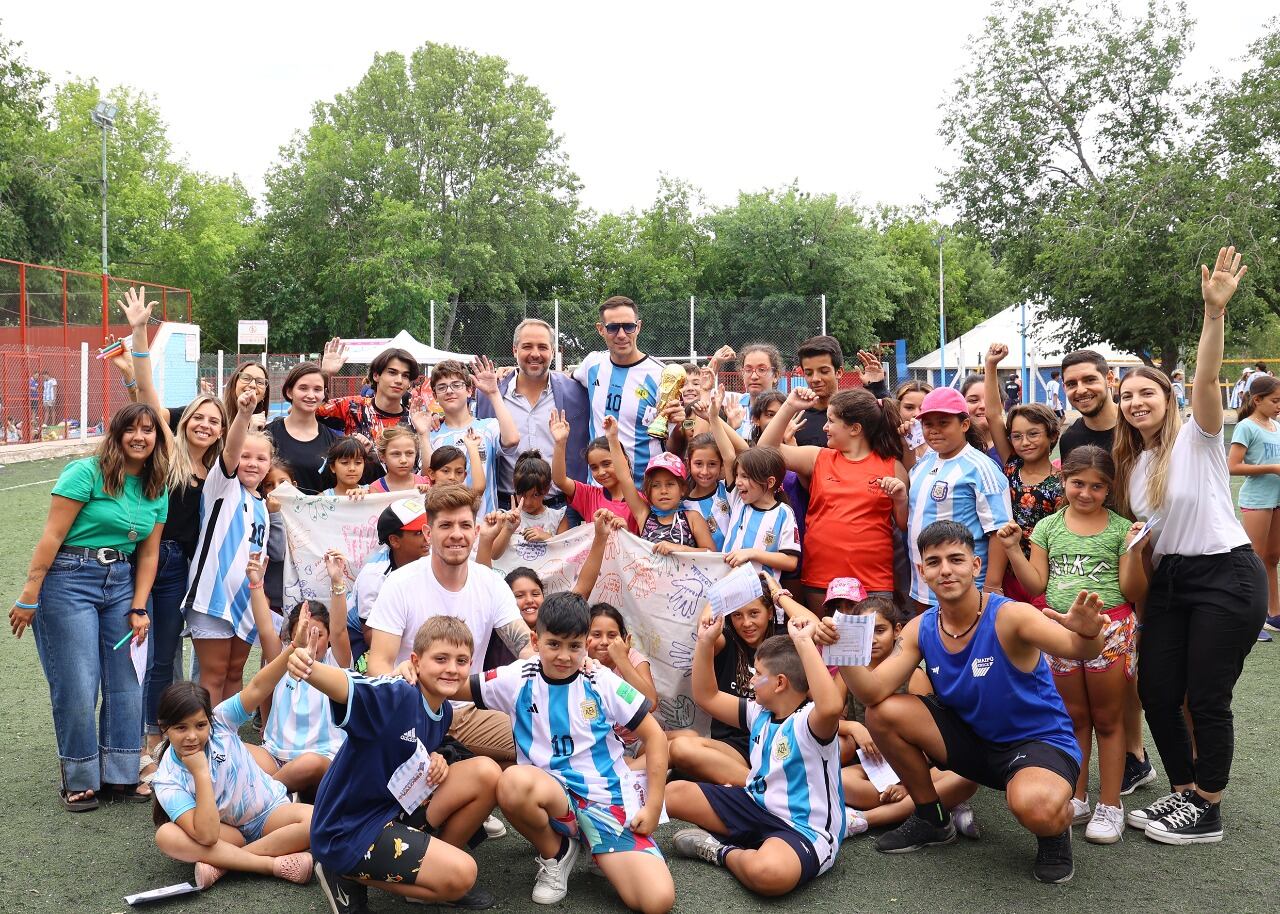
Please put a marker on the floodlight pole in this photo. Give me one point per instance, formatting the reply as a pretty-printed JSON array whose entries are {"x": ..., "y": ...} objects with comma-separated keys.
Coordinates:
[
  {"x": 104, "y": 115},
  {"x": 942, "y": 318}
]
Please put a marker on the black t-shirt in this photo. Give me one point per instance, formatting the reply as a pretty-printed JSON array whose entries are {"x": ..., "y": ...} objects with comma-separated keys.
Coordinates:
[
  {"x": 811, "y": 432},
  {"x": 306, "y": 458},
  {"x": 729, "y": 680},
  {"x": 183, "y": 523},
  {"x": 1079, "y": 434}
]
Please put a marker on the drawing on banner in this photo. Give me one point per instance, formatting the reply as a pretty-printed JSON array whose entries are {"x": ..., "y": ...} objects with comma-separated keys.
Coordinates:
[
  {"x": 689, "y": 594},
  {"x": 677, "y": 713},
  {"x": 643, "y": 582},
  {"x": 530, "y": 552}
]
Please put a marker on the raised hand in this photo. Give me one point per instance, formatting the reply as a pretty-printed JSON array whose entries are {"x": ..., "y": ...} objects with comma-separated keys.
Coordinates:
[
  {"x": 121, "y": 358},
  {"x": 485, "y": 376},
  {"x": 1218, "y": 287},
  {"x": 702, "y": 409},
  {"x": 710, "y": 627},
  {"x": 706, "y": 378},
  {"x": 420, "y": 416},
  {"x": 336, "y": 564},
  {"x": 605, "y": 521},
  {"x": 256, "y": 569},
  {"x": 723, "y": 354},
  {"x": 558, "y": 426},
  {"x": 733, "y": 411},
  {"x": 610, "y": 427},
  {"x": 793, "y": 429},
  {"x": 247, "y": 401},
  {"x": 801, "y": 628},
  {"x": 137, "y": 310},
  {"x": 872, "y": 367},
  {"x": 996, "y": 354},
  {"x": 300, "y": 663},
  {"x": 335, "y": 356},
  {"x": 801, "y": 398},
  {"x": 1085, "y": 616},
  {"x": 1010, "y": 535}
]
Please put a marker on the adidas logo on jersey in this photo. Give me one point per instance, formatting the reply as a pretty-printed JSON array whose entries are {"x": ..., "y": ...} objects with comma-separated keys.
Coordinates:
[
  {"x": 410, "y": 735},
  {"x": 980, "y": 666}
]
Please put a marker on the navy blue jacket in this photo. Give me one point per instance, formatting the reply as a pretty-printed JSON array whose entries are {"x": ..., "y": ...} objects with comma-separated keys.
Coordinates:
[{"x": 570, "y": 397}]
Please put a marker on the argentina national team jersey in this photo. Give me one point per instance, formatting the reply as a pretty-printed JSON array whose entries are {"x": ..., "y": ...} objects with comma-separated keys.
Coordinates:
[
  {"x": 796, "y": 777},
  {"x": 629, "y": 393},
  {"x": 772, "y": 530},
  {"x": 565, "y": 727},
  {"x": 967, "y": 488},
  {"x": 233, "y": 523},
  {"x": 300, "y": 720},
  {"x": 715, "y": 509},
  {"x": 490, "y": 446}
]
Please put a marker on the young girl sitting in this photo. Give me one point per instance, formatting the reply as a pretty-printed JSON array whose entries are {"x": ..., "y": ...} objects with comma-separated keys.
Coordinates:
[
  {"x": 448, "y": 464},
  {"x": 707, "y": 492},
  {"x": 214, "y": 806},
  {"x": 606, "y": 491},
  {"x": 659, "y": 514},
  {"x": 398, "y": 451},
  {"x": 300, "y": 739},
  {"x": 344, "y": 468},
  {"x": 1084, "y": 547},
  {"x": 536, "y": 523}
]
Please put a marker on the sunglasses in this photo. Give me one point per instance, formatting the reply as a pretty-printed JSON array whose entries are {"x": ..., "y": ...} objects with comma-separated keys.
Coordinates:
[{"x": 614, "y": 329}]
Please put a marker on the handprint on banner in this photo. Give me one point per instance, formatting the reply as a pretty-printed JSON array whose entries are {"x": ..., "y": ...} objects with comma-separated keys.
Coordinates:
[
  {"x": 681, "y": 655},
  {"x": 360, "y": 539},
  {"x": 677, "y": 713},
  {"x": 689, "y": 593},
  {"x": 530, "y": 552},
  {"x": 317, "y": 509},
  {"x": 611, "y": 546},
  {"x": 556, "y": 576},
  {"x": 643, "y": 580},
  {"x": 609, "y": 589}
]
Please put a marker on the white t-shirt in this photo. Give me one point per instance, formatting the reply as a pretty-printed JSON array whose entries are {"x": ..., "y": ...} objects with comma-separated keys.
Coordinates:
[
  {"x": 1053, "y": 390},
  {"x": 411, "y": 595},
  {"x": 548, "y": 520},
  {"x": 1197, "y": 517}
]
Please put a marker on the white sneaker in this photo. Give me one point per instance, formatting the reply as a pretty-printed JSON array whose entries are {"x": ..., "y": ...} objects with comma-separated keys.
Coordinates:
[
  {"x": 1080, "y": 811},
  {"x": 494, "y": 828},
  {"x": 1106, "y": 826},
  {"x": 552, "y": 882},
  {"x": 854, "y": 822},
  {"x": 966, "y": 824}
]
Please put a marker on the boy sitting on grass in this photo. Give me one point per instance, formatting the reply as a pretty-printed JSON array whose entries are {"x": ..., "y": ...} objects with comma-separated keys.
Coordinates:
[
  {"x": 388, "y": 792},
  {"x": 572, "y": 782},
  {"x": 784, "y": 828}
]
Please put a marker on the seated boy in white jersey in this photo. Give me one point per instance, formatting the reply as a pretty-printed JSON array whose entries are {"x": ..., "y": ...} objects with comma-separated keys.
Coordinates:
[
  {"x": 389, "y": 792},
  {"x": 784, "y": 828},
  {"x": 995, "y": 716},
  {"x": 572, "y": 783}
]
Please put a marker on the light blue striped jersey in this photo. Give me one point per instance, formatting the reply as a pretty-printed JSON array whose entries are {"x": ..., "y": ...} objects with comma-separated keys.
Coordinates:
[
  {"x": 750, "y": 527},
  {"x": 629, "y": 393},
  {"x": 566, "y": 727},
  {"x": 300, "y": 720},
  {"x": 490, "y": 447},
  {"x": 796, "y": 776},
  {"x": 233, "y": 523},
  {"x": 967, "y": 488},
  {"x": 241, "y": 789},
  {"x": 715, "y": 509}
]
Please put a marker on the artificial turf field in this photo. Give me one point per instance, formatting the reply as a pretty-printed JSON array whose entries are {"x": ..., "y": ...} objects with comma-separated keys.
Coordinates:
[{"x": 51, "y": 860}]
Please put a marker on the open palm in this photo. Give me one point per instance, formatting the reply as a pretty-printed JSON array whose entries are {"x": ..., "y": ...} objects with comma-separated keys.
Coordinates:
[{"x": 1218, "y": 287}]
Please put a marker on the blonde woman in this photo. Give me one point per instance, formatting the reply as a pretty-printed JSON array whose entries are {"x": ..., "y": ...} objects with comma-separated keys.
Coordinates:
[{"x": 1208, "y": 594}]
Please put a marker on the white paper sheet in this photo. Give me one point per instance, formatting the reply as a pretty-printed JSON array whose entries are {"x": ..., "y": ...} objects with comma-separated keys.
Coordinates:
[
  {"x": 408, "y": 783},
  {"x": 139, "y": 654},
  {"x": 169, "y": 891},
  {"x": 734, "y": 591},
  {"x": 855, "y": 634},
  {"x": 879, "y": 773}
]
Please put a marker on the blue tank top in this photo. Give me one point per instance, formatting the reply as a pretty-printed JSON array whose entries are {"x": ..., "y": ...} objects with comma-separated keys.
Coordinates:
[{"x": 999, "y": 702}]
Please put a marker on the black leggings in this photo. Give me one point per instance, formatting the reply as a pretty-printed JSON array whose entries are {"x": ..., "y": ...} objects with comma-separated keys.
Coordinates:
[{"x": 1202, "y": 618}]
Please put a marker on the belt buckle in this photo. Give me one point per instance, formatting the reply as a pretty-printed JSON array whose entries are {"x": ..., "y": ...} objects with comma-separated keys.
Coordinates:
[{"x": 107, "y": 556}]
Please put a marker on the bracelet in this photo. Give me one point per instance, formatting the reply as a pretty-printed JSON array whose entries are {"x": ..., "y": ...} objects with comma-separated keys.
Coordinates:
[
  {"x": 253, "y": 586},
  {"x": 141, "y": 355},
  {"x": 21, "y": 605},
  {"x": 130, "y": 385},
  {"x": 340, "y": 589},
  {"x": 137, "y": 612}
]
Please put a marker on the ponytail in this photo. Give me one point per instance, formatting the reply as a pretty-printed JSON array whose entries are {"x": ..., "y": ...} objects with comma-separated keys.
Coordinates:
[{"x": 1262, "y": 386}]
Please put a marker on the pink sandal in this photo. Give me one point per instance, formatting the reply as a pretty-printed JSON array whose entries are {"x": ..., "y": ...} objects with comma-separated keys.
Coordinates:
[
  {"x": 207, "y": 874},
  {"x": 293, "y": 867}
]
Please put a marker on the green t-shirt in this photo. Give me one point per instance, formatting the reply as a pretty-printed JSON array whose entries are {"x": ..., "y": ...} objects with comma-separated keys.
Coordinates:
[
  {"x": 1079, "y": 563},
  {"x": 105, "y": 520}
]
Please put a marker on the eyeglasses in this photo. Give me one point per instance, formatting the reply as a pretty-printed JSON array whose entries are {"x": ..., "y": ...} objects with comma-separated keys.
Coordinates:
[
  {"x": 628, "y": 329},
  {"x": 1018, "y": 437},
  {"x": 254, "y": 382},
  {"x": 755, "y": 371},
  {"x": 450, "y": 386}
]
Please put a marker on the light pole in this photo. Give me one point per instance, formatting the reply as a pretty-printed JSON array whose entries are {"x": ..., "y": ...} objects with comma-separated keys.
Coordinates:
[
  {"x": 942, "y": 317},
  {"x": 104, "y": 115}
]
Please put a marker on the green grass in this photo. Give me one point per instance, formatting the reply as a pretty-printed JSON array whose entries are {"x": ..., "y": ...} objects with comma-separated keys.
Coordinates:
[{"x": 52, "y": 861}]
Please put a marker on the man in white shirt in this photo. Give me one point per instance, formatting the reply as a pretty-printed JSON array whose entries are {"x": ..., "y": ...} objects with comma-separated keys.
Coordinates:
[{"x": 450, "y": 584}]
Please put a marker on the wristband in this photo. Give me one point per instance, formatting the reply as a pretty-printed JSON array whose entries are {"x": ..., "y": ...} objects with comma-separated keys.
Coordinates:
[
  {"x": 136, "y": 612},
  {"x": 253, "y": 586},
  {"x": 140, "y": 355},
  {"x": 130, "y": 385},
  {"x": 21, "y": 605},
  {"x": 337, "y": 591}
]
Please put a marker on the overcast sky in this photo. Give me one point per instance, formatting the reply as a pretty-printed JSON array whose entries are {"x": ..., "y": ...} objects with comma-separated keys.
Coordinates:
[{"x": 731, "y": 96}]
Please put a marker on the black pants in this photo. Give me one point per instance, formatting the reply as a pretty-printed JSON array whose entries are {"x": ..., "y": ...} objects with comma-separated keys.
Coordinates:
[{"x": 1202, "y": 619}]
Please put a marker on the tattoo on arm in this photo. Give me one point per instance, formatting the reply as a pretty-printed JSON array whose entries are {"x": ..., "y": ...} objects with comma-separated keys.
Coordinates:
[
  {"x": 515, "y": 635},
  {"x": 897, "y": 646}
]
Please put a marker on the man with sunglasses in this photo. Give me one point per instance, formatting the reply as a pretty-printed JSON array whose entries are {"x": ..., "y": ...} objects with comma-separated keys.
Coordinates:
[{"x": 623, "y": 382}]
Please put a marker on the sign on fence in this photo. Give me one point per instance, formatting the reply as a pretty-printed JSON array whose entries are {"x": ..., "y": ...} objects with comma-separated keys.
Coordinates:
[{"x": 252, "y": 333}]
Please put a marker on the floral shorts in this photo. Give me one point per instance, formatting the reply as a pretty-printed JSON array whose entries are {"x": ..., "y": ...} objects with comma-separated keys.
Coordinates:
[{"x": 1117, "y": 645}]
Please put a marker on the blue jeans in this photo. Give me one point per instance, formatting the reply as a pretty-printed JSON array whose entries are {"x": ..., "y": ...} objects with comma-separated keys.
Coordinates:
[
  {"x": 83, "y": 613},
  {"x": 166, "y": 627}
]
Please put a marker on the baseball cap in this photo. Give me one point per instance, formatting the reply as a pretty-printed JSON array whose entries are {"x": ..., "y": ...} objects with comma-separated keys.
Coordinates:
[
  {"x": 405, "y": 514},
  {"x": 669, "y": 462},
  {"x": 845, "y": 589},
  {"x": 943, "y": 400}
]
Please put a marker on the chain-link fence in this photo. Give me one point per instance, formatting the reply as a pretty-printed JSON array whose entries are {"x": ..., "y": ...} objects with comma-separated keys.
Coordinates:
[{"x": 50, "y": 392}]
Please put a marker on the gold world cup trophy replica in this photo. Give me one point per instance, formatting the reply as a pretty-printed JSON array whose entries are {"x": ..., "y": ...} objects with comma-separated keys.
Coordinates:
[{"x": 670, "y": 384}]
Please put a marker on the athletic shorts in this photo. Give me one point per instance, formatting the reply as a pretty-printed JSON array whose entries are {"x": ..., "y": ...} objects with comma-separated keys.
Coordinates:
[
  {"x": 993, "y": 764},
  {"x": 203, "y": 625},
  {"x": 396, "y": 855},
  {"x": 750, "y": 825},
  {"x": 603, "y": 829},
  {"x": 1118, "y": 646},
  {"x": 739, "y": 741},
  {"x": 252, "y": 830}
]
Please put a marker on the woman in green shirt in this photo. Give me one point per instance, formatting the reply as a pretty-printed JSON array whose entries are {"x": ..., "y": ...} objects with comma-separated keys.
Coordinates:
[{"x": 86, "y": 596}]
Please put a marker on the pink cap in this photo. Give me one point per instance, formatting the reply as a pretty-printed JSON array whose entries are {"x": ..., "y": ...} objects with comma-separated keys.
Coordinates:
[
  {"x": 845, "y": 589},
  {"x": 669, "y": 462},
  {"x": 943, "y": 400}
]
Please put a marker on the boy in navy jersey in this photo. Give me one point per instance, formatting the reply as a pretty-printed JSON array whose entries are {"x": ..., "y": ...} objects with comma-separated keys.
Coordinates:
[
  {"x": 388, "y": 792},
  {"x": 572, "y": 783},
  {"x": 785, "y": 826}
]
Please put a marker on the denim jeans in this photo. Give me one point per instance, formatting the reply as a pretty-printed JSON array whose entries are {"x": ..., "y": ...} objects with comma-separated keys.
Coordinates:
[
  {"x": 166, "y": 628},
  {"x": 83, "y": 613}
]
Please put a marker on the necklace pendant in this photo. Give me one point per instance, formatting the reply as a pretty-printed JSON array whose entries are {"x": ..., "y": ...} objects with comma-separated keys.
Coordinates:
[{"x": 133, "y": 536}]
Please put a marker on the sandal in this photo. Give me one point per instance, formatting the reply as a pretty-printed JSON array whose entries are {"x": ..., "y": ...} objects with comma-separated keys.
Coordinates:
[
  {"x": 127, "y": 793},
  {"x": 88, "y": 800},
  {"x": 145, "y": 761}
]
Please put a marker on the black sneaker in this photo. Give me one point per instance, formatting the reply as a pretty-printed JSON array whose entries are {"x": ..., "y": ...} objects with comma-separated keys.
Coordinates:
[
  {"x": 1141, "y": 818},
  {"x": 1194, "y": 822},
  {"x": 1136, "y": 773},
  {"x": 1053, "y": 859},
  {"x": 914, "y": 834},
  {"x": 476, "y": 899},
  {"x": 345, "y": 896}
]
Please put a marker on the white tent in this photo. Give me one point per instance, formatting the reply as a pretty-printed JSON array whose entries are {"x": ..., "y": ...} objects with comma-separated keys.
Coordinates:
[{"x": 365, "y": 351}]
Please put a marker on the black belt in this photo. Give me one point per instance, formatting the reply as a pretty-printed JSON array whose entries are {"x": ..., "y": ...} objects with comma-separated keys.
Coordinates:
[{"x": 104, "y": 556}]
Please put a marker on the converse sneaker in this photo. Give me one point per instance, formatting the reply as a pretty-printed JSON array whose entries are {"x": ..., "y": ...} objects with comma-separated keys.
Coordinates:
[
  {"x": 552, "y": 882},
  {"x": 854, "y": 822},
  {"x": 1053, "y": 859},
  {"x": 1080, "y": 810},
  {"x": 1141, "y": 818},
  {"x": 1136, "y": 773},
  {"x": 914, "y": 834},
  {"x": 1196, "y": 821},
  {"x": 345, "y": 896},
  {"x": 699, "y": 844},
  {"x": 966, "y": 824},
  {"x": 1106, "y": 826}
]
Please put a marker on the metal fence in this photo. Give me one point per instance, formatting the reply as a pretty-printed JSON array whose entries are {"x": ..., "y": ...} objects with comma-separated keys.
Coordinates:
[{"x": 51, "y": 392}]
